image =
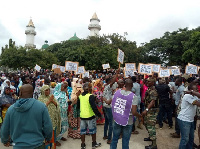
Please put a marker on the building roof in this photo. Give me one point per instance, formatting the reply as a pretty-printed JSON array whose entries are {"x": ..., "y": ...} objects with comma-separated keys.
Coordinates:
[
  {"x": 31, "y": 23},
  {"x": 74, "y": 37},
  {"x": 44, "y": 46}
]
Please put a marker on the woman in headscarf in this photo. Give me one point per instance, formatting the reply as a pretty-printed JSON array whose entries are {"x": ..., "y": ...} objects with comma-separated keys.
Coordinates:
[
  {"x": 61, "y": 97},
  {"x": 38, "y": 86},
  {"x": 53, "y": 109},
  {"x": 74, "y": 116},
  {"x": 98, "y": 92},
  {"x": 6, "y": 100},
  {"x": 5, "y": 84}
]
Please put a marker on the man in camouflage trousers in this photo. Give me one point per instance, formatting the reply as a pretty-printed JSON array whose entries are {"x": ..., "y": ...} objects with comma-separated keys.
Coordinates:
[{"x": 151, "y": 112}]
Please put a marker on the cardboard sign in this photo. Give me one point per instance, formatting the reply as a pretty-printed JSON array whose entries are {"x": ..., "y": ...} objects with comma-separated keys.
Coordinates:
[
  {"x": 86, "y": 74},
  {"x": 164, "y": 73},
  {"x": 191, "y": 69},
  {"x": 128, "y": 73},
  {"x": 106, "y": 66},
  {"x": 57, "y": 70},
  {"x": 130, "y": 66},
  {"x": 71, "y": 66},
  {"x": 55, "y": 66},
  {"x": 37, "y": 67},
  {"x": 81, "y": 70},
  {"x": 120, "y": 56},
  {"x": 145, "y": 69},
  {"x": 156, "y": 68},
  {"x": 175, "y": 72}
]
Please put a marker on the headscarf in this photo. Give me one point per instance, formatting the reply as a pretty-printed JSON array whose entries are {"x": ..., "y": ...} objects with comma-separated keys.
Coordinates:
[
  {"x": 37, "y": 92},
  {"x": 60, "y": 96},
  {"x": 4, "y": 85},
  {"x": 6, "y": 99},
  {"x": 97, "y": 82}
]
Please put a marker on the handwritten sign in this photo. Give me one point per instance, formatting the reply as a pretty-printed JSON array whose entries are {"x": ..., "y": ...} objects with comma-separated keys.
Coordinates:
[
  {"x": 156, "y": 68},
  {"x": 86, "y": 74},
  {"x": 81, "y": 70},
  {"x": 145, "y": 68},
  {"x": 106, "y": 66},
  {"x": 191, "y": 69},
  {"x": 71, "y": 66},
  {"x": 62, "y": 68},
  {"x": 130, "y": 66},
  {"x": 128, "y": 73},
  {"x": 164, "y": 73},
  {"x": 175, "y": 72},
  {"x": 54, "y": 66},
  {"x": 120, "y": 57},
  {"x": 37, "y": 67}
]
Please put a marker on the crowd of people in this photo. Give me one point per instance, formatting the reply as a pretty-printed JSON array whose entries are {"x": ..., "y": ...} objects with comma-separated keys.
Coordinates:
[{"x": 38, "y": 108}]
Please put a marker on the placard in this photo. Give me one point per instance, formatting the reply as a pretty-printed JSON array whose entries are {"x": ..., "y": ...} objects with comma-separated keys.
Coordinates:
[
  {"x": 71, "y": 66},
  {"x": 130, "y": 66},
  {"x": 106, "y": 66},
  {"x": 120, "y": 56},
  {"x": 81, "y": 70},
  {"x": 86, "y": 74},
  {"x": 54, "y": 66},
  {"x": 164, "y": 73},
  {"x": 145, "y": 69},
  {"x": 62, "y": 68},
  {"x": 57, "y": 70},
  {"x": 128, "y": 73},
  {"x": 191, "y": 69},
  {"x": 175, "y": 72},
  {"x": 156, "y": 68},
  {"x": 37, "y": 67}
]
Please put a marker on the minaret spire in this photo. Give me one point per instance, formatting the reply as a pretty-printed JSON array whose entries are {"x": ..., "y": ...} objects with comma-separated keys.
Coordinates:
[{"x": 94, "y": 26}]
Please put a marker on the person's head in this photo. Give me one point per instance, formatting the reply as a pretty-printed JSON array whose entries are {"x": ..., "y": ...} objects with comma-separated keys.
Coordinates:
[
  {"x": 26, "y": 91},
  {"x": 86, "y": 79},
  {"x": 27, "y": 80},
  {"x": 133, "y": 79},
  {"x": 47, "y": 81},
  {"x": 64, "y": 86},
  {"x": 178, "y": 81},
  {"x": 13, "y": 83},
  {"x": 128, "y": 84},
  {"x": 193, "y": 86},
  {"x": 7, "y": 90},
  {"x": 45, "y": 90},
  {"x": 120, "y": 83},
  {"x": 8, "y": 83},
  {"x": 150, "y": 82},
  {"x": 108, "y": 80},
  {"x": 161, "y": 81},
  {"x": 87, "y": 87}
]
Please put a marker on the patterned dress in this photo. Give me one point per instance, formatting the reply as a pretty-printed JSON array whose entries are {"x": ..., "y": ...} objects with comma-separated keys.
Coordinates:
[
  {"x": 62, "y": 99},
  {"x": 99, "y": 100}
]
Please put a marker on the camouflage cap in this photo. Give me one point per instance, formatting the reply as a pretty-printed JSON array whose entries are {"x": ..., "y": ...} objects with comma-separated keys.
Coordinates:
[{"x": 151, "y": 79}]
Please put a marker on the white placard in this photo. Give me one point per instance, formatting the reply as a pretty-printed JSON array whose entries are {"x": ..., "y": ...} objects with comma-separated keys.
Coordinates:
[
  {"x": 71, "y": 66},
  {"x": 106, "y": 66},
  {"x": 145, "y": 68},
  {"x": 54, "y": 66},
  {"x": 120, "y": 57},
  {"x": 156, "y": 68},
  {"x": 81, "y": 70},
  {"x": 164, "y": 73},
  {"x": 86, "y": 74},
  {"x": 128, "y": 73},
  {"x": 37, "y": 67},
  {"x": 175, "y": 72},
  {"x": 62, "y": 68},
  {"x": 130, "y": 66},
  {"x": 191, "y": 69}
]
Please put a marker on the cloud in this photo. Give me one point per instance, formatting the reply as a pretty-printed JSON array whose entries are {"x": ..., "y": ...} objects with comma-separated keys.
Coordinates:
[{"x": 56, "y": 21}]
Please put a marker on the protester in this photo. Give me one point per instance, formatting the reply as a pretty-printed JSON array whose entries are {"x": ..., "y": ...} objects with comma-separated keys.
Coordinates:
[
  {"x": 27, "y": 122},
  {"x": 53, "y": 109},
  {"x": 61, "y": 97},
  {"x": 88, "y": 110}
]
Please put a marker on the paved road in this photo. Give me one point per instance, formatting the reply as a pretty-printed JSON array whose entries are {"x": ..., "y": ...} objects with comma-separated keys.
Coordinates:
[{"x": 136, "y": 141}]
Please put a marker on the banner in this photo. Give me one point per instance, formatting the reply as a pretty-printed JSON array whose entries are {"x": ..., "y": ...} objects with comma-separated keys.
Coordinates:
[
  {"x": 86, "y": 74},
  {"x": 175, "y": 72},
  {"x": 37, "y": 67},
  {"x": 81, "y": 70},
  {"x": 191, "y": 69},
  {"x": 164, "y": 73},
  {"x": 156, "y": 68},
  {"x": 71, "y": 66},
  {"x": 128, "y": 73}
]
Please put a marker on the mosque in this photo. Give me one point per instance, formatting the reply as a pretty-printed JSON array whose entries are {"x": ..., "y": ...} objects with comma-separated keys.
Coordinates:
[{"x": 30, "y": 32}]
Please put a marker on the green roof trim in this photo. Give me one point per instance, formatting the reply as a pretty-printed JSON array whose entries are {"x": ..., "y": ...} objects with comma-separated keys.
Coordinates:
[{"x": 74, "y": 37}]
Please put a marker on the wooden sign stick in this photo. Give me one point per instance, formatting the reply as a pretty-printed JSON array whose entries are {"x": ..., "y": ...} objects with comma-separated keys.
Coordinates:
[{"x": 119, "y": 64}]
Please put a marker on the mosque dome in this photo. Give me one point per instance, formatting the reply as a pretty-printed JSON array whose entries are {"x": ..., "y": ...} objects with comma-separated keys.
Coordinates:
[
  {"x": 45, "y": 45},
  {"x": 74, "y": 37}
]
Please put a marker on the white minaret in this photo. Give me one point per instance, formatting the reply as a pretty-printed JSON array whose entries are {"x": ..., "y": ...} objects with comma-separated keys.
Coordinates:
[
  {"x": 94, "y": 26},
  {"x": 30, "y": 34}
]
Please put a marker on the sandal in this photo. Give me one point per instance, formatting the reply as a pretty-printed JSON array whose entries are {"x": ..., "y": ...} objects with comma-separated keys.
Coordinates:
[
  {"x": 63, "y": 139},
  {"x": 135, "y": 132}
]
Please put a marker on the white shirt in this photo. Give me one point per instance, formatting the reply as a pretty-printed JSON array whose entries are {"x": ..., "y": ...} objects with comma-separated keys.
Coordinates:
[{"x": 188, "y": 110}]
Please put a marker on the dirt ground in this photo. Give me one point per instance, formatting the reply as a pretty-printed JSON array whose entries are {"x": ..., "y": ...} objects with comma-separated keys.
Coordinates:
[{"x": 164, "y": 140}]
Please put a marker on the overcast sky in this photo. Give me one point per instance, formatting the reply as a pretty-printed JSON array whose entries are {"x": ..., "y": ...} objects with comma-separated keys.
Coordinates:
[{"x": 58, "y": 20}]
